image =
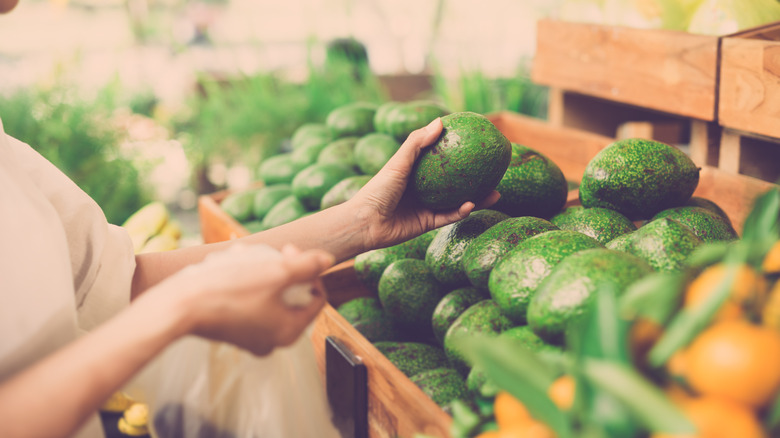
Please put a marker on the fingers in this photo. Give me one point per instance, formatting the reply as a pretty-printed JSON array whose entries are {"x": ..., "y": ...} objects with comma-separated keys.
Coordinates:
[
  {"x": 407, "y": 154},
  {"x": 489, "y": 200},
  {"x": 305, "y": 266}
]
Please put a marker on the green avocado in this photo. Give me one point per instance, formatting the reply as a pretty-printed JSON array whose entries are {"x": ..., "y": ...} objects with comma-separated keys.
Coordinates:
[
  {"x": 562, "y": 297},
  {"x": 488, "y": 248},
  {"x": 369, "y": 319},
  {"x": 664, "y": 243},
  {"x": 409, "y": 116},
  {"x": 698, "y": 201},
  {"x": 465, "y": 164},
  {"x": 599, "y": 223},
  {"x": 514, "y": 280},
  {"x": 409, "y": 293},
  {"x": 381, "y": 116},
  {"x": 239, "y": 205},
  {"x": 444, "y": 255},
  {"x": 286, "y": 210},
  {"x": 412, "y": 358},
  {"x": 533, "y": 185},
  {"x": 343, "y": 191},
  {"x": 254, "y": 226},
  {"x": 310, "y": 132},
  {"x": 372, "y": 151},
  {"x": 370, "y": 265},
  {"x": 307, "y": 154},
  {"x": 452, "y": 305},
  {"x": 442, "y": 385},
  {"x": 267, "y": 197},
  {"x": 278, "y": 169},
  {"x": 352, "y": 119},
  {"x": 341, "y": 151},
  {"x": 485, "y": 318},
  {"x": 311, "y": 183},
  {"x": 638, "y": 178},
  {"x": 706, "y": 224}
]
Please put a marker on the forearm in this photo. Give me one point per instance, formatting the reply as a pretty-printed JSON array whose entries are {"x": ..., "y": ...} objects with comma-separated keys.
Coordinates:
[{"x": 56, "y": 395}]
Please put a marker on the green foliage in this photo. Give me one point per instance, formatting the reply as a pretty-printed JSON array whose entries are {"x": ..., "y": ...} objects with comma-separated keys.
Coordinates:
[{"x": 75, "y": 134}]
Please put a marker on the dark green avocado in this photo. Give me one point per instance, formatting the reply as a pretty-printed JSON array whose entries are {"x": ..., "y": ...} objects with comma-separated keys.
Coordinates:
[
  {"x": 409, "y": 116},
  {"x": 599, "y": 223},
  {"x": 341, "y": 151},
  {"x": 698, "y": 201},
  {"x": 343, "y": 191},
  {"x": 706, "y": 224},
  {"x": 369, "y": 319},
  {"x": 352, "y": 119},
  {"x": 485, "y": 318},
  {"x": 370, "y": 264},
  {"x": 664, "y": 243},
  {"x": 372, "y": 151},
  {"x": 452, "y": 305},
  {"x": 311, "y": 183},
  {"x": 412, "y": 358},
  {"x": 409, "y": 293},
  {"x": 442, "y": 385}
]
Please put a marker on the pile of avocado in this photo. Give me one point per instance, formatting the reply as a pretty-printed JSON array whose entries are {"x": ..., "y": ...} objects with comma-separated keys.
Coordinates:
[{"x": 527, "y": 267}]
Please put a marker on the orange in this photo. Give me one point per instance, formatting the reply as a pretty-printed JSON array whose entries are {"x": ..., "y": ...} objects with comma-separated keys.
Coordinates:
[
  {"x": 770, "y": 314},
  {"x": 561, "y": 392},
  {"x": 508, "y": 410},
  {"x": 748, "y": 290},
  {"x": 771, "y": 263},
  {"x": 643, "y": 334},
  {"x": 677, "y": 393},
  {"x": 530, "y": 428},
  {"x": 719, "y": 418},
  {"x": 737, "y": 360}
]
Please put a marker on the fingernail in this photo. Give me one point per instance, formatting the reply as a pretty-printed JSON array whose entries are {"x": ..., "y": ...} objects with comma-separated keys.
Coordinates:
[{"x": 430, "y": 125}]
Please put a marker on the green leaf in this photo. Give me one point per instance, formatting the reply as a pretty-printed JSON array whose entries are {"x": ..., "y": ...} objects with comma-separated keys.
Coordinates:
[
  {"x": 708, "y": 254},
  {"x": 517, "y": 370},
  {"x": 604, "y": 334},
  {"x": 762, "y": 222},
  {"x": 645, "y": 401},
  {"x": 655, "y": 297},
  {"x": 773, "y": 418}
]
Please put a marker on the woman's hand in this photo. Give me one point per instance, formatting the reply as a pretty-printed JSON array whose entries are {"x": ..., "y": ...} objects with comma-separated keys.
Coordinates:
[
  {"x": 390, "y": 213},
  {"x": 238, "y": 295}
]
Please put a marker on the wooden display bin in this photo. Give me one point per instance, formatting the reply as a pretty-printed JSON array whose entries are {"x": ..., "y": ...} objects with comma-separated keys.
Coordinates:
[{"x": 395, "y": 406}]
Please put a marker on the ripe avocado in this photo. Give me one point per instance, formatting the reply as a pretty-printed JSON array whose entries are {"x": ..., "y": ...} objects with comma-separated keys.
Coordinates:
[
  {"x": 514, "y": 280},
  {"x": 311, "y": 183},
  {"x": 484, "y": 317},
  {"x": 370, "y": 264},
  {"x": 369, "y": 319},
  {"x": 307, "y": 154},
  {"x": 452, "y": 305},
  {"x": 267, "y": 197},
  {"x": 373, "y": 150},
  {"x": 310, "y": 132},
  {"x": 533, "y": 185},
  {"x": 341, "y": 151},
  {"x": 380, "y": 116},
  {"x": 638, "y": 178},
  {"x": 698, "y": 201},
  {"x": 343, "y": 191},
  {"x": 464, "y": 164},
  {"x": 239, "y": 205},
  {"x": 488, "y": 248},
  {"x": 286, "y": 210},
  {"x": 599, "y": 223},
  {"x": 278, "y": 169},
  {"x": 562, "y": 297},
  {"x": 664, "y": 243},
  {"x": 412, "y": 358},
  {"x": 406, "y": 117},
  {"x": 706, "y": 224},
  {"x": 409, "y": 293},
  {"x": 442, "y": 385},
  {"x": 444, "y": 255},
  {"x": 352, "y": 119}
]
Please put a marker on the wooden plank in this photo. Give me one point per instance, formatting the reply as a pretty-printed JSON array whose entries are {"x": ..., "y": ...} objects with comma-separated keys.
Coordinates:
[
  {"x": 669, "y": 71},
  {"x": 215, "y": 224},
  {"x": 749, "y": 96}
]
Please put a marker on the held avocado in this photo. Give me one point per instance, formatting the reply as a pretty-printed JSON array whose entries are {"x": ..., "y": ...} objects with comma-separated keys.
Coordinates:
[
  {"x": 563, "y": 296},
  {"x": 311, "y": 183},
  {"x": 465, "y": 164},
  {"x": 638, "y": 178},
  {"x": 514, "y": 280},
  {"x": 599, "y": 223},
  {"x": 706, "y": 224},
  {"x": 484, "y": 318},
  {"x": 444, "y": 255},
  {"x": 488, "y": 248},
  {"x": 409, "y": 293},
  {"x": 451, "y": 306},
  {"x": 413, "y": 357},
  {"x": 533, "y": 185}
]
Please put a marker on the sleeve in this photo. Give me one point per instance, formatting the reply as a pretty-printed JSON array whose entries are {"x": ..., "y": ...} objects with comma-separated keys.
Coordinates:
[{"x": 101, "y": 254}]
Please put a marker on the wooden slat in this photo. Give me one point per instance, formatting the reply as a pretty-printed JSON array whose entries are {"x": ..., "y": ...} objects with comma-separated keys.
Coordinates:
[{"x": 669, "y": 71}]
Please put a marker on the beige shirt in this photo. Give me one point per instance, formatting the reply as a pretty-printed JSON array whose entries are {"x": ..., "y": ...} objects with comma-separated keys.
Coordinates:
[{"x": 63, "y": 268}]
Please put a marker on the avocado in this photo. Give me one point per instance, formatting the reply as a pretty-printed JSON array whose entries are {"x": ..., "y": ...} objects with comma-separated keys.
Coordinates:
[
  {"x": 620, "y": 243},
  {"x": 698, "y": 201},
  {"x": 341, "y": 151},
  {"x": 370, "y": 264},
  {"x": 278, "y": 169},
  {"x": 286, "y": 210},
  {"x": 409, "y": 293},
  {"x": 485, "y": 318},
  {"x": 381, "y": 116},
  {"x": 442, "y": 385},
  {"x": 410, "y": 116},
  {"x": 310, "y": 132},
  {"x": 254, "y": 226},
  {"x": 664, "y": 243},
  {"x": 514, "y": 280},
  {"x": 599, "y": 223},
  {"x": 267, "y": 197},
  {"x": 311, "y": 183},
  {"x": 352, "y": 119},
  {"x": 706, "y": 224},
  {"x": 488, "y": 248},
  {"x": 533, "y": 185},
  {"x": 307, "y": 154},
  {"x": 412, "y": 358},
  {"x": 239, "y": 205},
  {"x": 563, "y": 296},
  {"x": 372, "y": 151},
  {"x": 343, "y": 191},
  {"x": 444, "y": 255},
  {"x": 465, "y": 163},
  {"x": 369, "y": 319},
  {"x": 452, "y": 305},
  {"x": 638, "y": 178}
]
